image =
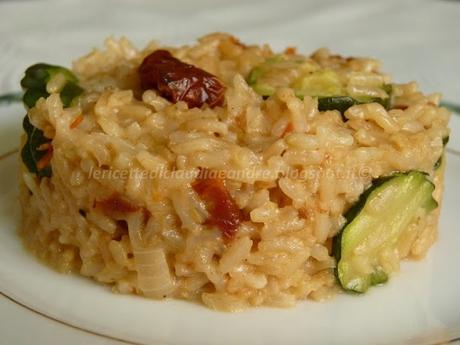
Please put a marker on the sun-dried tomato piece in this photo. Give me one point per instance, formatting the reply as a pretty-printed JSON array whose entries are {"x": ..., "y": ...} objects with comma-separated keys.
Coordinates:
[
  {"x": 224, "y": 213},
  {"x": 178, "y": 81},
  {"x": 115, "y": 205}
]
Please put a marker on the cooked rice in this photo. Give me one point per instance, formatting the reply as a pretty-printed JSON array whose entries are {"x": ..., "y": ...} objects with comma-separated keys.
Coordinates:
[{"x": 293, "y": 170}]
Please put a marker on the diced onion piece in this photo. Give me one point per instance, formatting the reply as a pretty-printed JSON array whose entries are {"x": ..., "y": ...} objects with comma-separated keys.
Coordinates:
[{"x": 153, "y": 276}]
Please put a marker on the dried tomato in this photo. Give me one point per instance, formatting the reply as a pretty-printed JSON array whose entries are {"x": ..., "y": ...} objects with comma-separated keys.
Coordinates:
[
  {"x": 179, "y": 81},
  {"x": 116, "y": 205},
  {"x": 224, "y": 213}
]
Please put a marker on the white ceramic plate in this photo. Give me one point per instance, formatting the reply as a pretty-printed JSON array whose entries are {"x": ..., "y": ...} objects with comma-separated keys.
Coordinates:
[{"x": 418, "y": 306}]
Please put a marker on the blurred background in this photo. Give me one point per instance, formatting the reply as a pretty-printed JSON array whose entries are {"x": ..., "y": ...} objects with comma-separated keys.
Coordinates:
[{"x": 416, "y": 39}]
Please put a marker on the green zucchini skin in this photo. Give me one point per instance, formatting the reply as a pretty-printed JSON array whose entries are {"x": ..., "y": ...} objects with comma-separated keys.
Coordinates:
[
  {"x": 340, "y": 103},
  {"x": 34, "y": 85},
  {"x": 378, "y": 275},
  {"x": 445, "y": 140},
  {"x": 325, "y": 85},
  {"x": 37, "y": 76},
  {"x": 30, "y": 152},
  {"x": 438, "y": 163},
  {"x": 353, "y": 212}
]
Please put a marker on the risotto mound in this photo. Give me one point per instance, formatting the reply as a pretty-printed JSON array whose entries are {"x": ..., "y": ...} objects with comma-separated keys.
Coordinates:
[{"x": 227, "y": 173}]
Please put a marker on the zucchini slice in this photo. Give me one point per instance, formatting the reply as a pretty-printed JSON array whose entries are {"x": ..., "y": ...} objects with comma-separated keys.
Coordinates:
[
  {"x": 340, "y": 103},
  {"x": 306, "y": 78},
  {"x": 278, "y": 71},
  {"x": 374, "y": 226}
]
